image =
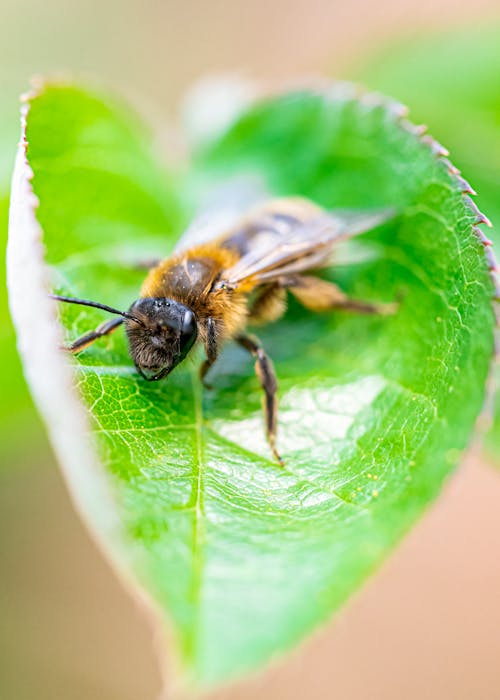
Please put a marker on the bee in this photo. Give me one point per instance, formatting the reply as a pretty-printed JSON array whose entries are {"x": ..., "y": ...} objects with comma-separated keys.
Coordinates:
[{"x": 210, "y": 292}]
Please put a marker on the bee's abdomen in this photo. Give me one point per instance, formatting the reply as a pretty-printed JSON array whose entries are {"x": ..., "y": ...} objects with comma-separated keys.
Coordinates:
[{"x": 270, "y": 224}]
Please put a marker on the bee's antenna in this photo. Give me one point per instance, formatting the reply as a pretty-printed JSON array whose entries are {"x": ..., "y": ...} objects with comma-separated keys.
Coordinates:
[{"x": 96, "y": 305}]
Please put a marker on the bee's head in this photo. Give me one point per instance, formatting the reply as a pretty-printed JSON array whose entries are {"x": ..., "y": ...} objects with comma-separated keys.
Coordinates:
[{"x": 160, "y": 334}]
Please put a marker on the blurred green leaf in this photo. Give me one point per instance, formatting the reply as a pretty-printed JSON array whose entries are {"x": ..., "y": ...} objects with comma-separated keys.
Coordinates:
[
  {"x": 9, "y": 360},
  {"x": 452, "y": 83},
  {"x": 17, "y": 415},
  {"x": 245, "y": 558}
]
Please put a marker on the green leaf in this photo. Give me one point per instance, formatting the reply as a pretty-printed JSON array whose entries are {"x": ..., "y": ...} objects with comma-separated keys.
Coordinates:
[
  {"x": 17, "y": 415},
  {"x": 242, "y": 557},
  {"x": 461, "y": 104}
]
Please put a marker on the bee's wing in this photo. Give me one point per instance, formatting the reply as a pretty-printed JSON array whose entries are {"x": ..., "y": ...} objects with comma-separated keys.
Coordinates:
[
  {"x": 206, "y": 228},
  {"x": 290, "y": 250},
  {"x": 222, "y": 214}
]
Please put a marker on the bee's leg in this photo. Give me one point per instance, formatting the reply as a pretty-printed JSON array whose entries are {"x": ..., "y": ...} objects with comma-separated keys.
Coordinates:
[
  {"x": 267, "y": 377},
  {"x": 319, "y": 295},
  {"x": 269, "y": 305},
  {"x": 85, "y": 340},
  {"x": 211, "y": 350}
]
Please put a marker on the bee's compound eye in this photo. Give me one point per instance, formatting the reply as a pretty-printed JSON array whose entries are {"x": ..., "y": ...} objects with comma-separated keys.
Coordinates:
[
  {"x": 188, "y": 323},
  {"x": 189, "y": 331}
]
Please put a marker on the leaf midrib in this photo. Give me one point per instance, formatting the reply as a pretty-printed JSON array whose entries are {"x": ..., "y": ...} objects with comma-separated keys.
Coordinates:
[{"x": 199, "y": 521}]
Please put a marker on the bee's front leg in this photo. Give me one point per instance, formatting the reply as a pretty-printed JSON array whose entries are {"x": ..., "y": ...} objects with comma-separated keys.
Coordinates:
[
  {"x": 265, "y": 371},
  {"x": 85, "y": 340},
  {"x": 211, "y": 350}
]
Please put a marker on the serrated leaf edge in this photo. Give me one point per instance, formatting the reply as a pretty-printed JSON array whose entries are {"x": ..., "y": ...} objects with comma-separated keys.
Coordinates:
[{"x": 46, "y": 361}]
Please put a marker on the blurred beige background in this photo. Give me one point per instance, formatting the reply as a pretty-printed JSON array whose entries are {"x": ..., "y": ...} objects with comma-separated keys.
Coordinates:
[{"x": 428, "y": 625}]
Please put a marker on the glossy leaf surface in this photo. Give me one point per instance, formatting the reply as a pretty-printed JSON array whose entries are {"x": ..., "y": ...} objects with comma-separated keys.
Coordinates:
[
  {"x": 245, "y": 558},
  {"x": 461, "y": 105}
]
